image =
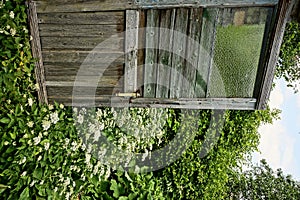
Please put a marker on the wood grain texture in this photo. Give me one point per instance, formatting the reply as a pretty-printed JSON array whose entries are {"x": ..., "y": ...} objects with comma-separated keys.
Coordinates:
[
  {"x": 179, "y": 51},
  {"x": 88, "y": 57},
  {"x": 54, "y": 6},
  {"x": 192, "y": 55},
  {"x": 150, "y": 68},
  {"x": 90, "y": 18},
  {"x": 202, "y": 3},
  {"x": 283, "y": 12},
  {"x": 131, "y": 50},
  {"x": 205, "y": 52},
  {"x": 37, "y": 52},
  {"x": 167, "y": 23},
  {"x": 82, "y": 43},
  {"x": 81, "y": 30},
  {"x": 64, "y": 91}
]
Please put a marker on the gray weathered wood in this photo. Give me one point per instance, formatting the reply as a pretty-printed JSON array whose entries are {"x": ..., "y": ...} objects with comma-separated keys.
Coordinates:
[
  {"x": 91, "y": 18},
  {"x": 131, "y": 50},
  {"x": 204, "y": 103},
  {"x": 205, "y": 52},
  {"x": 150, "y": 68},
  {"x": 202, "y": 3},
  {"x": 71, "y": 69},
  {"x": 283, "y": 11},
  {"x": 211, "y": 50},
  {"x": 167, "y": 23},
  {"x": 65, "y": 91},
  {"x": 37, "y": 52},
  {"x": 141, "y": 51},
  {"x": 82, "y": 43},
  {"x": 82, "y": 30},
  {"x": 54, "y": 6},
  {"x": 94, "y": 58},
  {"x": 192, "y": 55},
  {"x": 179, "y": 51}
]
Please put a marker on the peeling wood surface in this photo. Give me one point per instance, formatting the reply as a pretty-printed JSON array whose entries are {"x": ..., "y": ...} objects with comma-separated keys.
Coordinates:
[
  {"x": 37, "y": 52},
  {"x": 69, "y": 6}
]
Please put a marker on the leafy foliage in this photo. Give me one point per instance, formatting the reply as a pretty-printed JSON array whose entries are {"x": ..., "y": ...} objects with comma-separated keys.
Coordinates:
[
  {"x": 288, "y": 66},
  {"x": 43, "y": 157},
  {"x": 261, "y": 182}
]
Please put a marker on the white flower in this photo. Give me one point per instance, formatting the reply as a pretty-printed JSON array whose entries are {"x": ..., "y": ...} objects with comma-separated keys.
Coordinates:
[
  {"x": 23, "y": 160},
  {"x": 30, "y": 102},
  {"x": 55, "y": 189},
  {"x": 45, "y": 133},
  {"x": 54, "y": 117},
  {"x": 6, "y": 143},
  {"x": 8, "y": 101},
  {"x": 50, "y": 107},
  {"x": 8, "y": 27},
  {"x": 39, "y": 158},
  {"x": 80, "y": 119},
  {"x": 42, "y": 182},
  {"x": 46, "y": 124},
  {"x": 74, "y": 146},
  {"x": 32, "y": 183},
  {"x": 36, "y": 140},
  {"x": 97, "y": 135},
  {"x": 12, "y": 14},
  {"x": 47, "y": 145},
  {"x": 87, "y": 158},
  {"x": 61, "y": 106},
  {"x": 31, "y": 38},
  {"x": 30, "y": 124},
  {"x": 13, "y": 31},
  {"x": 14, "y": 143},
  {"x": 67, "y": 181},
  {"x": 24, "y": 173}
]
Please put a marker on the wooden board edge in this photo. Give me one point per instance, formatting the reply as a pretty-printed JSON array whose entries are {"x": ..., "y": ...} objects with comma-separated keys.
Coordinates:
[
  {"x": 283, "y": 11},
  {"x": 37, "y": 51}
]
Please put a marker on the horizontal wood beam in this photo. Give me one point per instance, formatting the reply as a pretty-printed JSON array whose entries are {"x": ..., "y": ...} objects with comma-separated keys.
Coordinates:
[
  {"x": 181, "y": 103},
  {"x": 202, "y": 3}
]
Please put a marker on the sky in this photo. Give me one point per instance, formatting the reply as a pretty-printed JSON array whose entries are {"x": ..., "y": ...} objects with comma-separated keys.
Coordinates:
[{"x": 280, "y": 141}]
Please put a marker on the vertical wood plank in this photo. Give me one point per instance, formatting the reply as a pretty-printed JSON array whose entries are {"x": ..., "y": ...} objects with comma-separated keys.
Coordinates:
[
  {"x": 37, "y": 52},
  {"x": 150, "y": 68},
  {"x": 205, "y": 54},
  {"x": 192, "y": 55},
  {"x": 131, "y": 49},
  {"x": 165, "y": 53},
  {"x": 215, "y": 22},
  {"x": 141, "y": 51},
  {"x": 179, "y": 50}
]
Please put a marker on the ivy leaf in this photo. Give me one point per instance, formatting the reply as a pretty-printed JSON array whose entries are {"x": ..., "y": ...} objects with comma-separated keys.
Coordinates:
[
  {"x": 117, "y": 188},
  {"x": 5, "y": 120},
  {"x": 38, "y": 173},
  {"x": 25, "y": 194}
]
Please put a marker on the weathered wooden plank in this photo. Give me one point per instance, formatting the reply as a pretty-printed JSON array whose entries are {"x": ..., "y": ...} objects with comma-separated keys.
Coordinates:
[
  {"x": 131, "y": 50},
  {"x": 88, "y": 57},
  {"x": 212, "y": 49},
  {"x": 81, "y": 30},
  {"x": 78, "y": 101},
  {"x": 192, "y": 56},
  {"x": 179, "y": 51},
  {"x": 82, "y": 43},
  {"x": 37, "y": 52},
  {"x": 64, "y": 91},
  {"x": 91, "y": 18},
  {"x": 86, "y": 81},
  {"x": 53, "y": 6},
  {"x": 205, "y": 52},
  {"x": 264, "y": 87},
  {"x": 167, "y": 23},
  {"x": 204, "y": 103},
  {"x": 141, "y": 51},
  {"x": 202, "y": 3},
  {"x": 71, "y": 69},
  {"x": 150, "y": 68}
]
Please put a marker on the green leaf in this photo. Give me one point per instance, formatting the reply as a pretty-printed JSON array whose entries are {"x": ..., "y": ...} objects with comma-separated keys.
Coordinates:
[
  {"x": 38, "y": 173},
  {"x": 5, "y": 120},
  {"x": 25, "y": 194},
  {"x": 116, "y": 188}
]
